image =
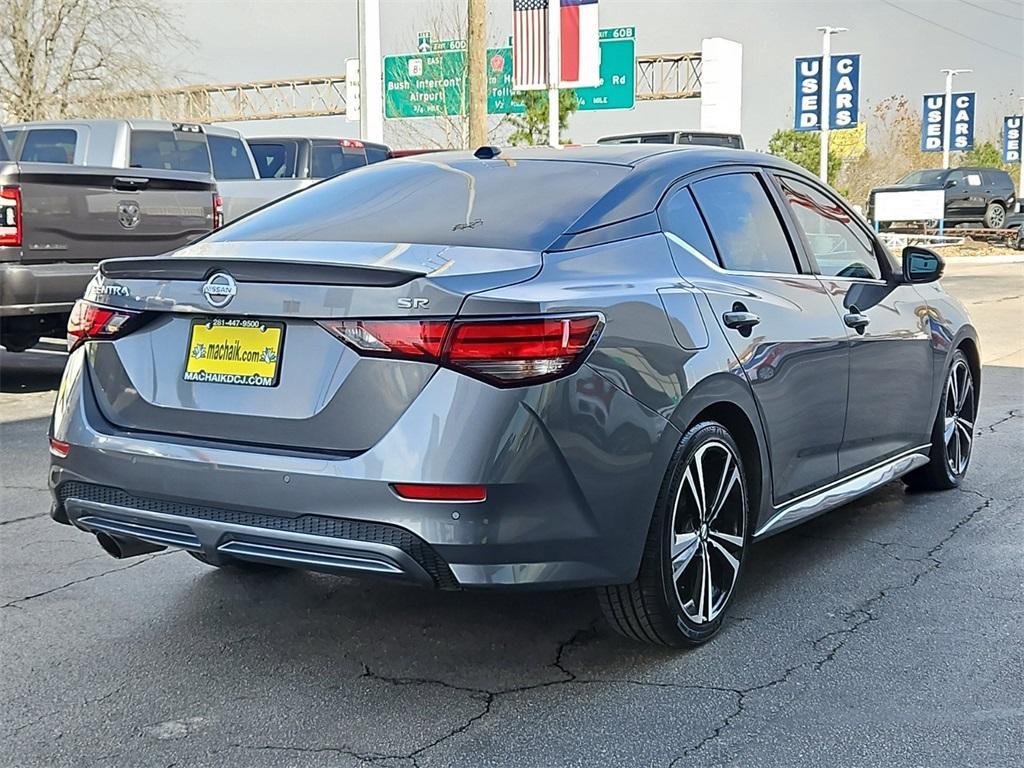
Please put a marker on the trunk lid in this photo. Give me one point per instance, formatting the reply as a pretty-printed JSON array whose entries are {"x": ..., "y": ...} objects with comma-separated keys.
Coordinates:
[{"x": 326, "y": 397}]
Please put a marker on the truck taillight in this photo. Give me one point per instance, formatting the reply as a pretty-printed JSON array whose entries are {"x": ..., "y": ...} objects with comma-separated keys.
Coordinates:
[
  {"x": 504, "y": 352},
  {"x": 10, "y": 216},
  {"x": 218, "y": 211},
  {"x": 90, "y": 321}
]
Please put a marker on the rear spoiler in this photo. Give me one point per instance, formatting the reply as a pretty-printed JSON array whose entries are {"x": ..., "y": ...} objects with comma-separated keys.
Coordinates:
[{"x": 254, "y": 271}]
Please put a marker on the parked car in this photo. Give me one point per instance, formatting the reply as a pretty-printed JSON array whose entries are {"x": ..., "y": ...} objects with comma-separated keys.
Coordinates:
[
  {"x": 58, "y": 221},
  {"x": 160, "y": 144},
  {"x": 973, "y": 195},
  {"x": 703, "y": 138},
  {"x": 516, "y": 368},
  {"x": 308, "y": 160}
]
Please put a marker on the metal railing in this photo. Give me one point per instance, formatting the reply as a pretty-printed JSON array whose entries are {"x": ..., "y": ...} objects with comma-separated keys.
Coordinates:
[{"x": 659, "y": 77}]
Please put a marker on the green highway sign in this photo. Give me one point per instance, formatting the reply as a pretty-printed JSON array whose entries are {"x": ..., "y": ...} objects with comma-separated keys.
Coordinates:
[
  {"x": 434, "y": 82},
  {"x": 618, "y": 72}
]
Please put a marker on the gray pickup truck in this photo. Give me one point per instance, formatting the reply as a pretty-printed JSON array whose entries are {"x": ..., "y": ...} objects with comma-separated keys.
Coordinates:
[
  {"x": 58, "y": 220},
  {"x": 211, "y": 149}
]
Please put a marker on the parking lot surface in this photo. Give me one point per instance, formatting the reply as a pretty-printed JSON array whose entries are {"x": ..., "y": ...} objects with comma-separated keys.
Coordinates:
[{"x": 889, "y": 632}]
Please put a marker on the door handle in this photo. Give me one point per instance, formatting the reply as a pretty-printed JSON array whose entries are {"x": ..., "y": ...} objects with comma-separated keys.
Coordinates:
[
  {"x": 130, "y": 183},
  {"x": 739, "y": 319},
  {"x": 856, "y": 320}
]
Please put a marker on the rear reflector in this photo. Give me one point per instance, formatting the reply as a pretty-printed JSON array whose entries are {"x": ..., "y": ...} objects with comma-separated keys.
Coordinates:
[
  {"x": 503, "y": 352},
  {"x": 424, "y": 492},
  {"x": 90, "y": 321},
  {"x": 10, "y": 216},
  {"x": 59, "y": 448}
]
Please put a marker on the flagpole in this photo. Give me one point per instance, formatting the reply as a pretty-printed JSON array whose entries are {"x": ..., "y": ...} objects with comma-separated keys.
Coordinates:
[{"x": 554, "y": 70}]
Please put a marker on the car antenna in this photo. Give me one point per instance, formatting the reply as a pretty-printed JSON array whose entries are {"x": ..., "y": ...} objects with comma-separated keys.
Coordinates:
[{"x": 487, "y": 153}]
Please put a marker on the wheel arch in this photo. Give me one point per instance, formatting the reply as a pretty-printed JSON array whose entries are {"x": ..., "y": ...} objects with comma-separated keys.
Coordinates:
[{"x": 727, "y": 399}]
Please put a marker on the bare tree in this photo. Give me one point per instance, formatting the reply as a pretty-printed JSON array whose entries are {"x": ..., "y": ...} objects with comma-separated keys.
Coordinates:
[{"x": 53, "y": 52}]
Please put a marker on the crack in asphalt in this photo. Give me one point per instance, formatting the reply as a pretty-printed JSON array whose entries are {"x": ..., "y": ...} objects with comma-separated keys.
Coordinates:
[
  {"x": 17, "y": 603},
  {"x": 1015, "y": 413},
  {"x": 24, "y": 518}
]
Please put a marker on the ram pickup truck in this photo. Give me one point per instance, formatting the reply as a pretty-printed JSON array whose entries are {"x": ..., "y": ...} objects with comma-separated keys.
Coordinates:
[
  {"x": 58, "y": 220},
  {"x": 296, "y": 162},
  {"x": 210, "y": 149}
]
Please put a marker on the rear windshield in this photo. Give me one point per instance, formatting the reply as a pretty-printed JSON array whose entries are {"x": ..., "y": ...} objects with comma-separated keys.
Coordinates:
[
  {"x": 514, "y": 204},
  {"x": 169, "y": 150},
  {"x": 50, "y": 145},
  {"x": 275, "y": 159},
  {"x": 230, "y": 158},
  {"x": 332, "y": 159}
]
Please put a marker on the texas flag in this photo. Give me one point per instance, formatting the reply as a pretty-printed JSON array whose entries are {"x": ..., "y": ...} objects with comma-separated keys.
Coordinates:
[{"x": 580, "y": 47}]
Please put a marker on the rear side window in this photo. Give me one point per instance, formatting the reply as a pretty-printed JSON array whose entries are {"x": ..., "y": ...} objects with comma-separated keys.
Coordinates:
[
  {"x": 50, "y": 145},
  {"x": 839, "y": 245},
  {"x": 518, "y": 204},
  {"x": 744, "y": 225},
  {"x": 169, "y": 150},
  {"x": 274, "y": 160},
  {"x": 332, "y": 159},
  {"x": 679, "y": 217},
  {"x": 4, "y": 154},
  {"x": 230, "y": 158},
  {"x": 376, "y": 153},
  {"x": 997, "y": 178},
  {"x": 657, "y": 138}
]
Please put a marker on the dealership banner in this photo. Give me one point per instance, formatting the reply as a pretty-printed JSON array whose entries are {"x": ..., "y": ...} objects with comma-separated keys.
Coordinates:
[
  {"x": 933, "y": 125},
  {"x": 844, "y": 96}
]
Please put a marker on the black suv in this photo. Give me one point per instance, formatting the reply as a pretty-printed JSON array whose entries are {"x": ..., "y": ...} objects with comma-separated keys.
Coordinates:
[{"x": 973, "y": 195}]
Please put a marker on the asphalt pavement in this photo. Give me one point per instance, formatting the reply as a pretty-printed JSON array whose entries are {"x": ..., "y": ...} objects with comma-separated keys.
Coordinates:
[{"x": 889, "y": 633}]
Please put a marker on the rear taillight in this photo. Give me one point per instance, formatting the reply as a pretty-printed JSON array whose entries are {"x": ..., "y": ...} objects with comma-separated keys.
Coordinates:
[
  {"x": 503, "y": 352},
  {"x": 59, "y": 448},
  {"x": 90, "y": 321},
  {"x": 10, "y": 216},
  {"x": 218, "y": 211}
]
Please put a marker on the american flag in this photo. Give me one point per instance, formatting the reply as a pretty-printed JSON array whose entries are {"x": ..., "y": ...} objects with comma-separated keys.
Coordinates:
[{"x": 530, "y": 44}]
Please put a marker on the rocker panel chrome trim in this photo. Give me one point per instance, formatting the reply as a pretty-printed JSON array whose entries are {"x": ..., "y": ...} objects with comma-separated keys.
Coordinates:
[{"x": 842, "y": 491}]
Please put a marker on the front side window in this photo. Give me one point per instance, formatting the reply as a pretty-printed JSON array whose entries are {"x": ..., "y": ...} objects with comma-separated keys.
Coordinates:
[
  {"x": 744, "y": 225},
  {"x": 839, "y": 245},
  {"x": 274, "y": 160},
  {"x": 50, "y": 145},
  {"x": 169, "y": 150},
  {"x": 230, "y": 160}
]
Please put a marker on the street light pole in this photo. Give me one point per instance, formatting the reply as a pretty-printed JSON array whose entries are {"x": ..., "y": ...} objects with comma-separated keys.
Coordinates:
[
  {"x": 371, "y": 99},
  {"x": 947, "y": 110},
  {"x": 554, "y": 71},
  {"x": 826, "y": 95}
]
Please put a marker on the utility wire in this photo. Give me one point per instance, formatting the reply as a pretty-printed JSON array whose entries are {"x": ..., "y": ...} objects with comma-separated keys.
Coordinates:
[
  {"x": 992, "y": 11},
  {"x": 934, "y": 23}
]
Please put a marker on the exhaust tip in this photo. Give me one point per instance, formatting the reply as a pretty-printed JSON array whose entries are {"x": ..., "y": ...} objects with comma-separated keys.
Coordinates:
[{"x": 120, "y": 547}]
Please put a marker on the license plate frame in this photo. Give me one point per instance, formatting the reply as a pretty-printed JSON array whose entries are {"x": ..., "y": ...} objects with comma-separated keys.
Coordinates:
[{"x": 234, "y": 338}]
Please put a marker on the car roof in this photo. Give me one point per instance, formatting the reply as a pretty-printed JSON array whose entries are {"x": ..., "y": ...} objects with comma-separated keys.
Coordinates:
[{"x": 141, "y": 124}]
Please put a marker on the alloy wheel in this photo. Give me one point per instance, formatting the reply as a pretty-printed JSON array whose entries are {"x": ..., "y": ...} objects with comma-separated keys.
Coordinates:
[
  {"x": 708, "y": 531},
  {"x": 958, "y": 427},
  {"x": 997, "y": 217}
]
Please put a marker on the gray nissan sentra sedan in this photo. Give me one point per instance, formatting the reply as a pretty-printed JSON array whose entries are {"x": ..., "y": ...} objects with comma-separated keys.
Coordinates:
[{"x": 612, "y": 366}]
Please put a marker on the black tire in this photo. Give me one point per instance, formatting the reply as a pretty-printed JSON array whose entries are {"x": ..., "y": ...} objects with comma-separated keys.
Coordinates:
[
  {"x": 995, "y": 215},
  {"x": 945, "y": 470},
  {"x": 230, "y": 563},
  {"x": 651, "y": 609}
]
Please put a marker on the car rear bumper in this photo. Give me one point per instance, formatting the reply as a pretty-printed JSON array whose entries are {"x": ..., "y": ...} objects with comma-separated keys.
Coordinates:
[
  {"x": 567, "y": 505},
  {"x": 42, "y": 289}
]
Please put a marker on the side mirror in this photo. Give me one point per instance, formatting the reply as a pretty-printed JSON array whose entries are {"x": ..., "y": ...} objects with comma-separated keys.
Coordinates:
[
  {"x": 951, "y": 183},
  {"x": 921, "y": 265}
]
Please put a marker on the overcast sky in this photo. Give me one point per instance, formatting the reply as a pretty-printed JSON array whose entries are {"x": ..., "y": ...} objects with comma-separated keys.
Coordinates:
[{"x": 904, "y": 44}]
